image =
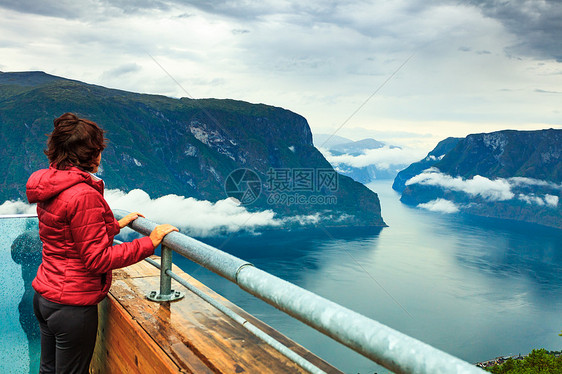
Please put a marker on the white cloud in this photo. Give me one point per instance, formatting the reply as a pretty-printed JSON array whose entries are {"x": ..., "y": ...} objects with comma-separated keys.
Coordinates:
[
  {"x": 551, "y": 200},
  {"x": 531, "y": 199},
  {"x": 499, "y": 189},
  {"x": 440, "y": 205},
  {"x": 522, "y": 181},
  {"x": 17, "y": 207},
  {"x": 194, "y": 217},
  {"x": 493, "y": 190},
  {"x": 310, "y": 219},
  {"x": 382, "y": 158}
]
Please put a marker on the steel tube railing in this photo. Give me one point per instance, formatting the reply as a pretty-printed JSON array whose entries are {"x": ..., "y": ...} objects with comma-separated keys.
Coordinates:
[
  {"x": 209, "y": 257},
  {"x": 165, "y": 279},
  {"x": 387, "y": 347},
  {"x": 302, "y": 362},
  {"x": 8, "y": 216},
  {"x": 166, "y": 293}
]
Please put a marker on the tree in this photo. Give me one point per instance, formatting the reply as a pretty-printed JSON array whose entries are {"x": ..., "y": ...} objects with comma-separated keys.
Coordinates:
[{"x": 539, "y": 361}]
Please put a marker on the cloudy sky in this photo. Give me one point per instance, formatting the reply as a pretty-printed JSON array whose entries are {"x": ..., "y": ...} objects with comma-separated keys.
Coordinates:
[{"x": 410, "y": 72}]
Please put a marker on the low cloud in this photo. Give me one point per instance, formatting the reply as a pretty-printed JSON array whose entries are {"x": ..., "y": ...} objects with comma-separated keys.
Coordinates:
[
  {"x": 17, "y": 207},
  {"x": 522, "y": 181},
  {"x": 382, "y": 158},
  {"x": 200, "y": 218},
  {"x": 304, "y": 220},
  {"x": 195, "y": 217},
  {"x": 548, "y": 200},
  {"x": 440, "y": 205},
  {"x": 551, "y": 200},
  {"x": 492, "y": 190}
]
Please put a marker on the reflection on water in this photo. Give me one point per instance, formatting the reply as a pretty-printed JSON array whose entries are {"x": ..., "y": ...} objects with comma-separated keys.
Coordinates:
[
  {"x": 20, "y": 256},
  {"x": 530, "y": 251}
]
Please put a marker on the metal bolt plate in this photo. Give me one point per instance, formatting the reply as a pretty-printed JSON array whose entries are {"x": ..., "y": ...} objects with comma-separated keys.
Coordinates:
[{"x": 157, "y": 297}]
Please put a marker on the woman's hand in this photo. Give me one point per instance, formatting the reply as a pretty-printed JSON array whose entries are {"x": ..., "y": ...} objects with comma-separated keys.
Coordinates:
[
  {"x": 160, "y": 232},
  {"x": 128, "y": 219}
]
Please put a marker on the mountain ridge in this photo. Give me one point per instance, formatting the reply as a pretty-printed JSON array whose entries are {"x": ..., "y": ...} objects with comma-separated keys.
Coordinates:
[
  {"x": 171, "y": 146},
  {"x": 508, "y": 174}
]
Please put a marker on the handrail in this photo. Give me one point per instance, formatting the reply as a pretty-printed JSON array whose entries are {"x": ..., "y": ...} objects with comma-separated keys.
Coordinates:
[
  {"x": 167, "y": 294},
  {"x": 299, "y": 360},
  {"x": 8, "y": 216},
  {"x": 385, "y": 346}
]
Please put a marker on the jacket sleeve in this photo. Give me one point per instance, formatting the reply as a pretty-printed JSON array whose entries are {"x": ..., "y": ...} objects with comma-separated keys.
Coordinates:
[{"x": 89, "y": 229}]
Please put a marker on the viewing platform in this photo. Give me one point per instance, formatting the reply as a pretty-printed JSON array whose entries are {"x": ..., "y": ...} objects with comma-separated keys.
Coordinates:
[{"x": 136, "y": 335}]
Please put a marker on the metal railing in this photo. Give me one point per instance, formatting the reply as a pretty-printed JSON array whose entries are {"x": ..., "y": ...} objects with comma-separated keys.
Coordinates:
[
  {"x": 9, "y": 216},
  {"x": 299, "y": 360},
  {"x": 385, "y": 346}
]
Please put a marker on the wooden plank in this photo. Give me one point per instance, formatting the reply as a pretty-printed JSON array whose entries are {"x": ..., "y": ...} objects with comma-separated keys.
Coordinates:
[
  {"x": 291, "y": 344},
  {"x": 124, "y": 347},
  {"x": 191, "y": 333}
]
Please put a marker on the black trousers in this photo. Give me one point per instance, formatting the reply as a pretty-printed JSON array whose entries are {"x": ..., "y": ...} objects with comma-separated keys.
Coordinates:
[{"x": 68, "y": 336}]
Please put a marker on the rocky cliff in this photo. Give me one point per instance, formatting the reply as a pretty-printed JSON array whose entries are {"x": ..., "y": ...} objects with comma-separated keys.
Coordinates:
[
  {"x": 514, "y": 175},
  {"x": 182, "y": 146}
]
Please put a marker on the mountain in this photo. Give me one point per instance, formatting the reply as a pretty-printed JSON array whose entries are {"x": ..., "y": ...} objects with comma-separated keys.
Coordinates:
[
  {"x": 358, "y": 159},
  {"x": 508, "y": 174},
  {"x": 431, "y": 159},
  {"x": 187, "y": 147},
  {"x": 328, "y": 140}
]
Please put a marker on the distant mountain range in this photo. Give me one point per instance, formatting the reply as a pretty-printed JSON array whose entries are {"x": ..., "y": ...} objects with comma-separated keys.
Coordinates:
[
  {"x": 509, "y": 174},
  {"x": 357, "y": 159},
  {"x": 181, "y": 146}
]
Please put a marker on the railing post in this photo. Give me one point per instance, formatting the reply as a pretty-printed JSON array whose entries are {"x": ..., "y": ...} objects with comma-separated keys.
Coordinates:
[{"x": 166, "y": 293}]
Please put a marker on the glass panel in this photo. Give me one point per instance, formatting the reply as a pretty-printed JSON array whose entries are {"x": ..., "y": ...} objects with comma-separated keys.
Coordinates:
[{"x": 20, "y": 256}]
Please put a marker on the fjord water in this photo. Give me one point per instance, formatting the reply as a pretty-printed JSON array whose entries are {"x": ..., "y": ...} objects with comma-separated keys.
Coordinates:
[{"x": 476, "y": 288}]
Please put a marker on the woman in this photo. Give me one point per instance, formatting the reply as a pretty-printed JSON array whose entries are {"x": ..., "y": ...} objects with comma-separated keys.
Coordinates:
[{"x": 77, "y": 229}]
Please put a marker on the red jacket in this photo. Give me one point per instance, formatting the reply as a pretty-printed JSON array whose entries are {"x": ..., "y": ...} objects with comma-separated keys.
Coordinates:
[{"x": 77, "y": 228}]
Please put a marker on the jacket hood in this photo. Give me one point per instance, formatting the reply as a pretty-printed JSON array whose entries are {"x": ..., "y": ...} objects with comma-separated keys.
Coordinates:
[{"x": 45, "y": 184}]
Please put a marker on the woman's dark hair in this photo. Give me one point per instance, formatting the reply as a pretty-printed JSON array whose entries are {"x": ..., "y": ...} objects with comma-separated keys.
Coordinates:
[{"x": 75, "y": 142}]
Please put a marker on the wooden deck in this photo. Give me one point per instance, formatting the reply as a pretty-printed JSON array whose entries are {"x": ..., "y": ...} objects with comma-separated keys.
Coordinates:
[{"x": 136, "y": 335}]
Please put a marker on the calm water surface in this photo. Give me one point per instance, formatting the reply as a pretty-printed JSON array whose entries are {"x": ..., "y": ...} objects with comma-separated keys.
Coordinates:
[{"x": 476, "y": 288}]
